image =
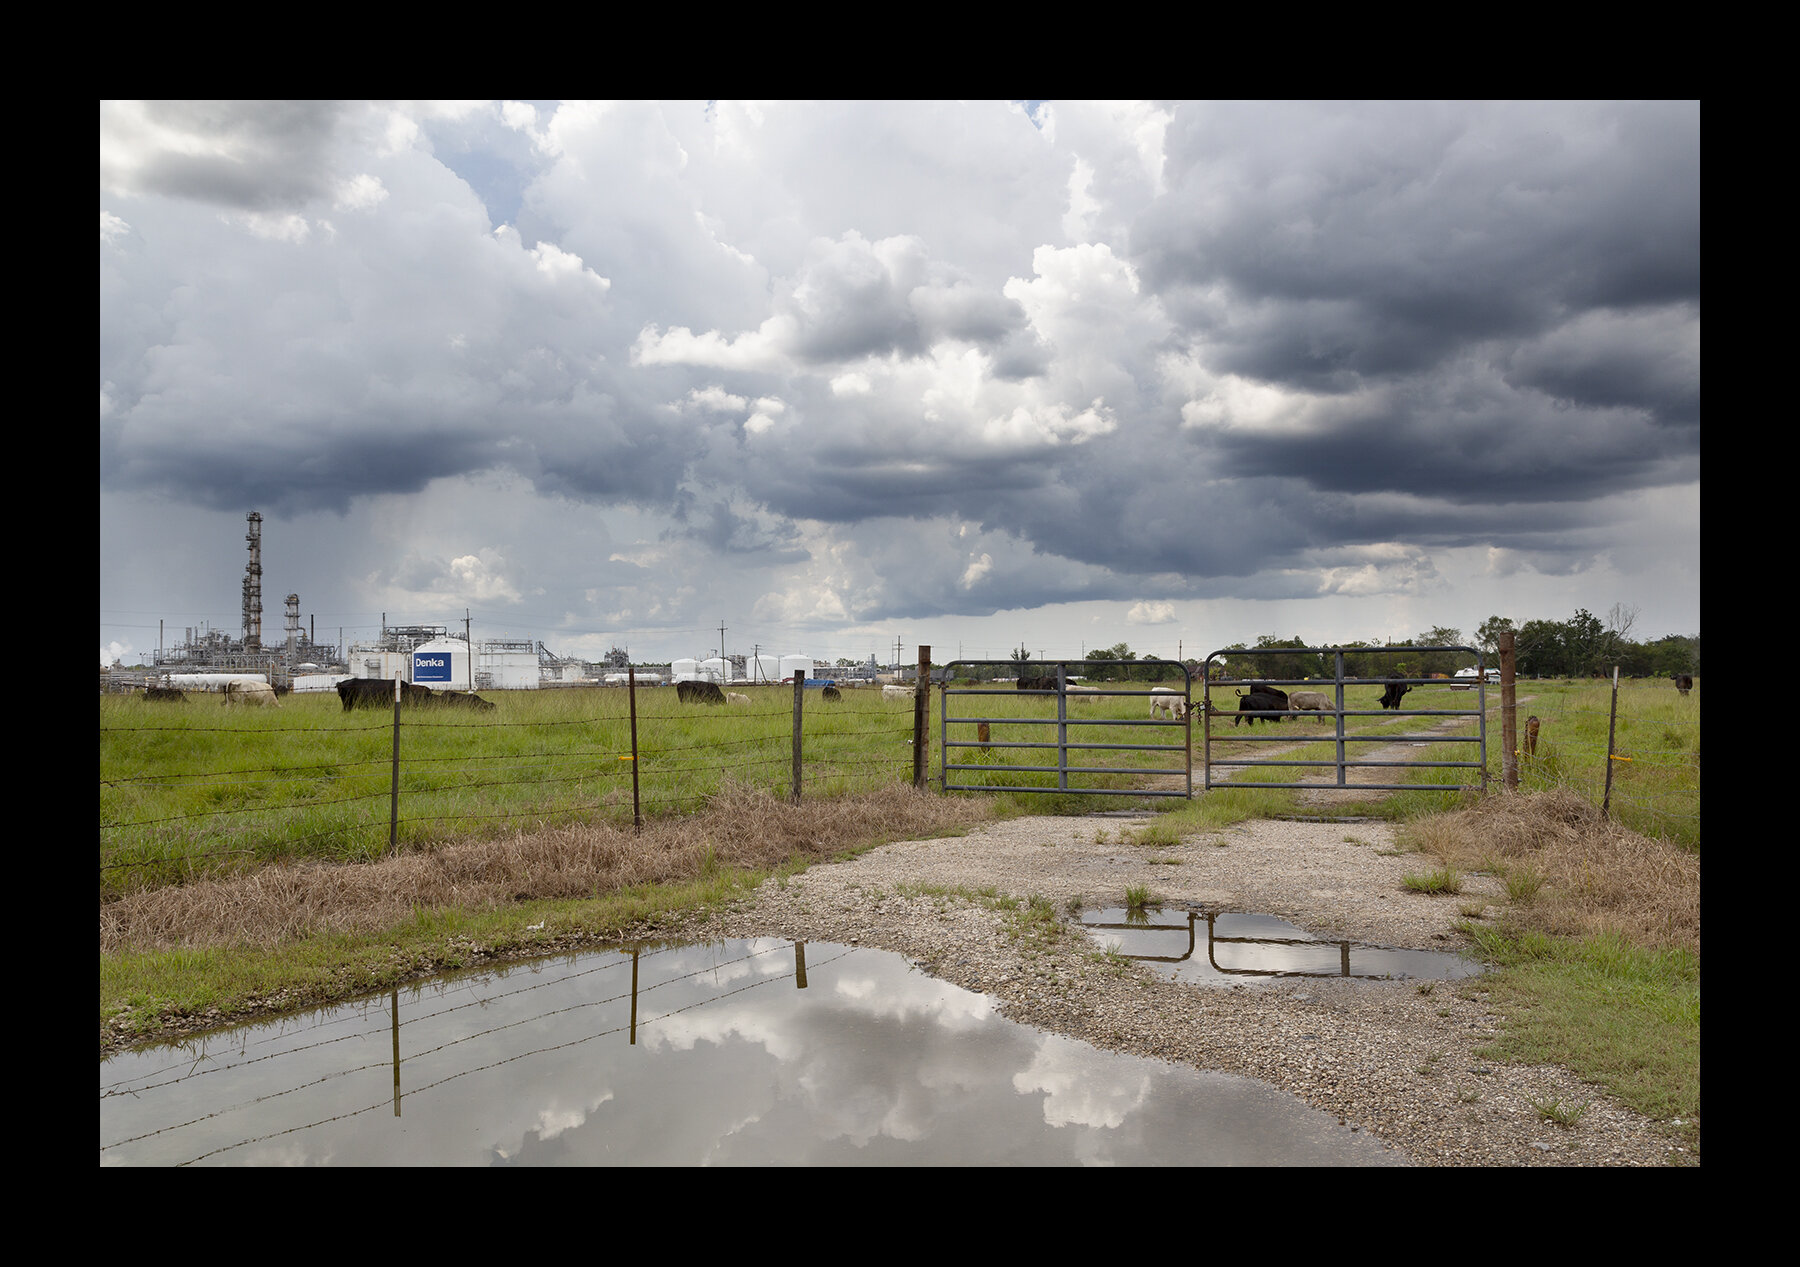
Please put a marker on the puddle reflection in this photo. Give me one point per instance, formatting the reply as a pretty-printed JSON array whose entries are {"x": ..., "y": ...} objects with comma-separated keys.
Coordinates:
[
  {"x": 1214, "y": 947},
  {"x": 760, "y": 1052}
]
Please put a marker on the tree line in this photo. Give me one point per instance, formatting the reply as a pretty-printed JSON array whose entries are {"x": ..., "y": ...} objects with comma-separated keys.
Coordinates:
[{"x": 1582, "y": 646}]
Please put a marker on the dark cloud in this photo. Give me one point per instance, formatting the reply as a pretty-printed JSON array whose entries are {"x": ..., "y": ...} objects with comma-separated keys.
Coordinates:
[
  {"x": 1377, "y": 240},
  {"x": 1255, "y": 351},
  {"x": 252, "y": 155}
]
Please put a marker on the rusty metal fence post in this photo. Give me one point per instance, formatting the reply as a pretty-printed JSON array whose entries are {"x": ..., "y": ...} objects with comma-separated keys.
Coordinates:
[
  {"x": 921, "y": 706},
  {"x": 637, "y": 809},
  {"x": 799, "y": 696},
  {"x": 394, "y": 783}
]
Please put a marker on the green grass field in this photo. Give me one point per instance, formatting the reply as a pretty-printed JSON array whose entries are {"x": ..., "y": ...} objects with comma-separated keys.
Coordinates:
[{"x": 199, "y": 789}]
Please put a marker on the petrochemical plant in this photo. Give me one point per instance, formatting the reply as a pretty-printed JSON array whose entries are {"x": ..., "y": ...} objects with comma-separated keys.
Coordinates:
[{"x": 430, "y": 655}]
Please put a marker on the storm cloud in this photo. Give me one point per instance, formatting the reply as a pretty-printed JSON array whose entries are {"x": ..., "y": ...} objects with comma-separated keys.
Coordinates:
[{"x": 608, "y": 372}]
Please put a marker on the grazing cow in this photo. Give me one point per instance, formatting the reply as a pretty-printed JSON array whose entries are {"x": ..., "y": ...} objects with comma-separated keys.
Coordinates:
[
  {"x": 1261, "y": 699},
  {"x": 830, "y": 692},
  {"x": 896, "y": 692},
  {"x": 165, "y": 694},
  {"x": 374, "y": 692},
  {"x": 1684, "y": 682},
  {"x": 459, "y": 699},
  {"x": 1168, "y": 703},
  {"x": 259, "y": 693},
  {"x": 699, "y": 693},
  {"x": 1310, "y": 701},
  {"x": 1040, "y": 682},
  {"x": 1390, "y": 698},
  {"x": 732, "y": 697}
]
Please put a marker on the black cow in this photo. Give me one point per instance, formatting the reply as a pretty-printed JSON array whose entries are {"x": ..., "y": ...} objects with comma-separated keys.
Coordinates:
[
  {"x": 699, "y": 693},
  {"x": 461, "y": 699},
  {"x": 165, "y": 695},
  {"x": 374, "y": 692},
  {"x": 830, "y": 692},
  {"x": 1261, "y": 699},
  {"x": 1684, "y": 682},
  {"x": 1041, "y": 683},
  {"x": 1390, "y": 698}
]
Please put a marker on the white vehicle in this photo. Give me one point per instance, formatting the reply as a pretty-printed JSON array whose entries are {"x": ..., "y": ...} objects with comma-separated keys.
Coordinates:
[{"x": 1492, "y": 675}]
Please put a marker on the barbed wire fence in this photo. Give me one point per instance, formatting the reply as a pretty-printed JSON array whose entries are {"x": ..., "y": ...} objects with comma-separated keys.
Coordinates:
[
  {"x": 1636, "y": 754},
  {"x": 362, "y": 789}
]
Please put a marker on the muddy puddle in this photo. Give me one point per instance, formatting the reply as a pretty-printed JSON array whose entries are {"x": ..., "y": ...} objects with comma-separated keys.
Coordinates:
[
  {"x": 756, "y": 1052},
  {"x": 1213, "y": 948}
]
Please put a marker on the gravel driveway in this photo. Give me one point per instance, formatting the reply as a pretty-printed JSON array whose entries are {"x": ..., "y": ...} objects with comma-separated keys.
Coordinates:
[{"x": 1396, "y": 1058}]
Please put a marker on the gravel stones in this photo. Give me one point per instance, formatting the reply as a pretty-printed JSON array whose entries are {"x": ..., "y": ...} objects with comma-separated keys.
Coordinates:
[{"x": 1396, "y": 1058}]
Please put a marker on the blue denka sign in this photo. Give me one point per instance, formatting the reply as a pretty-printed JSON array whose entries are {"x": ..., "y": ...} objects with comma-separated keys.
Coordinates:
[{"x": 431, "y": 666}]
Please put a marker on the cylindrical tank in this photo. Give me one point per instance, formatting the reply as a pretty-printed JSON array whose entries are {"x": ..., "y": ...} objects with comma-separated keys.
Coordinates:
[
  {"x": 762, "y": 669},
  {"x": 443, "y": 664},
  {"x": 377, "y": 664},
  {"x": 795, "y": 664},
  {"x": 506, "y": 666},
  {"x": 717, "y": 669},
  {"x": 687, "y": 670}
]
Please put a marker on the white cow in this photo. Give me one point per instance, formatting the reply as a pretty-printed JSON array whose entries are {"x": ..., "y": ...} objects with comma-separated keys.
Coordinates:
[
  {"x": 896, "y": 692},
  {"x": 1312, "y": 701},
  {"x": 732, "y": 697},
  {"x": 1167, "y": 702},
  {"x": 260, "y": 693}
]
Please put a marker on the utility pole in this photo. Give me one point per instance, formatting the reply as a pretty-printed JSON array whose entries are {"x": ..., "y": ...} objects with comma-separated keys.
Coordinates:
[{"x": 721, "y": 640}]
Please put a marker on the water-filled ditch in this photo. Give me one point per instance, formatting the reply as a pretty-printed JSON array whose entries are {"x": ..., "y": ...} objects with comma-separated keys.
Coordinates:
[{"x": 755, "y": 1052}]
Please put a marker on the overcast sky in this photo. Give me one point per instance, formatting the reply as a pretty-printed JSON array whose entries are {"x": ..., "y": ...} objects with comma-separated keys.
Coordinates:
[{"x": 842, "y": 376}]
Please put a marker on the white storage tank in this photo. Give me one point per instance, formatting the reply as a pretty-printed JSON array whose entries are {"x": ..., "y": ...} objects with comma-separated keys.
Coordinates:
[
  {"x": 504, "y": 664},
  {"x": 684, "y": 671},
  {"x": 370, "y": 662},
  {"x": 717, "y": 669},
  {"x": 443, "y": 664},
  {"x": 793, "y": 665},
  {"x": 762, "y": 669}
]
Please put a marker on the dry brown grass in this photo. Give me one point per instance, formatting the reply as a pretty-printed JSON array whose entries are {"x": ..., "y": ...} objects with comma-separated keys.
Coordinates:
[
  {"x": 741, "y": 828},
  {"x": 1597, "y": 876}
]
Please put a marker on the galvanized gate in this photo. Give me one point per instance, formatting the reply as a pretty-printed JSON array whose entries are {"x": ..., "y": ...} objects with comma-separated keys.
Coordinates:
[
  {"x": 1056, "y": 683},
  {"x": 1342, "y": 709}
]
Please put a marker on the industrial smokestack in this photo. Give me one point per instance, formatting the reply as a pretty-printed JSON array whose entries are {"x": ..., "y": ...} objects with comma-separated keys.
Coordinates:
[{"x": 253, "y": 586}]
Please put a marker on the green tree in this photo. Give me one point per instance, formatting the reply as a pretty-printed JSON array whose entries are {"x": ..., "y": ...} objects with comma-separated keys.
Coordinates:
[
  {"x": 1539, "y": 649},
  {"x": 1487, "y": 636},
  {"x": 1674, "y": 654},
  {"x": 1445, "y": 662},
  {"x": 1585, "y": 644},
  {"x": 1300, "y": 664}
]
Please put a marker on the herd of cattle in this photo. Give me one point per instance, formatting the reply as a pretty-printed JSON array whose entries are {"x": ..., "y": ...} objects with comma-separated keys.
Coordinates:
[{"x": 1259, "y": 703}]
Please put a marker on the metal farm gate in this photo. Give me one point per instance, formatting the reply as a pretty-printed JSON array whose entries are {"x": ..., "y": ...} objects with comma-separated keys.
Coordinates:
[
  {"x": 1053, "y": 683},
  {"x": 1342, "y": 709}
]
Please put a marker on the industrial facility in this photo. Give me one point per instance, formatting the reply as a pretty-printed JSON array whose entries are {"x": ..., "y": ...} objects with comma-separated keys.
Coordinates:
[{"x": 430, "y": 655}]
